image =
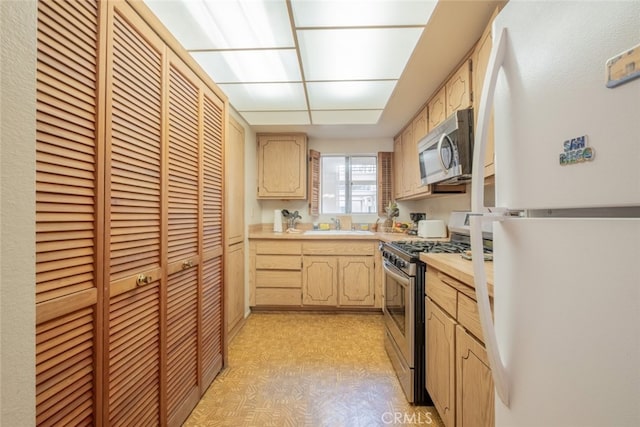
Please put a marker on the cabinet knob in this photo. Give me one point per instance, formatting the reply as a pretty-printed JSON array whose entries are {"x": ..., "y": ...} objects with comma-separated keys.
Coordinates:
[
  {"x": 187, "y": 264},
  {"x": 143, "y": 279}
]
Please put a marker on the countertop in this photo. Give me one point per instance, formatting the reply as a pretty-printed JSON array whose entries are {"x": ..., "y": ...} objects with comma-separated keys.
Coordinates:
[
  {"x": 458, "y": 268},
  {"x": 385, "y": 237}
]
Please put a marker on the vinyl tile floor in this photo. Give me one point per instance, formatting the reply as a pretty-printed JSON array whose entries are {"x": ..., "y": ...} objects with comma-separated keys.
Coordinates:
[{"x": 309, "y": 369}]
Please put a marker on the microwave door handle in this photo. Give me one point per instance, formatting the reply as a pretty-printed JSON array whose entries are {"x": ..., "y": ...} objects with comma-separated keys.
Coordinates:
[
  {"x": 498, "y": 370},
  {"x": 439, "y": 150}
]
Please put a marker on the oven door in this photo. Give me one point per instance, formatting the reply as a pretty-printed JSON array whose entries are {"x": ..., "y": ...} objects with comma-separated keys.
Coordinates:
[{"x": 398, "y": 309}]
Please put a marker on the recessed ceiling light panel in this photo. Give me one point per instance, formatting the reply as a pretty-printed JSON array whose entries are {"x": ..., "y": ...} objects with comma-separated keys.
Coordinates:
[
  {"x": 250, "y": 65},
  {"x": 361, "y": 13},
  {"x": 265, "y": 96},
  {"x": 351, "y": 95},
  {"x": 356, "y": 54}
]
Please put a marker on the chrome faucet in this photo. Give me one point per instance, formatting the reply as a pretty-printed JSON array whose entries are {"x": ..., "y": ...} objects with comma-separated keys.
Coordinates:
[{"x": 337, "y": 222}]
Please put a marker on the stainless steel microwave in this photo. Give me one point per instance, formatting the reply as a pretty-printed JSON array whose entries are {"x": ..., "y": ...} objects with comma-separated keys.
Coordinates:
[{"x": 445, "y": 153}]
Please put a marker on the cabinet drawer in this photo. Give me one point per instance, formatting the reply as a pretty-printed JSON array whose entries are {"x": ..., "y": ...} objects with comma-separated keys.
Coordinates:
[
  {"x": 278, "y": 296},
  {"x": 338, "y": 248},
  {"x": 278, "y": 262},
  {"x": 441, "y": 293},
  {"x": 468, "y": 315},
  {"x": 278, "y": 247},
  {"x": 278, "y": 279}
]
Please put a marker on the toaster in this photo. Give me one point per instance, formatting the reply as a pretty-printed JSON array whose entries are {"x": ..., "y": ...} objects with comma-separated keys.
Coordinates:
[{"x": 432, "y": 228}]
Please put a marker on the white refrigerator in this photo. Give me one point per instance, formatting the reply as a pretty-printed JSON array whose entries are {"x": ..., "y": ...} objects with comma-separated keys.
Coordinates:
[{"x": 564, "y": 340}]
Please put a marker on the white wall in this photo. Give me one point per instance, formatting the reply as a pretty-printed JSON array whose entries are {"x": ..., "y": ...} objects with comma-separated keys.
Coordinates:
[
  {"x": 17, "y": 212},
  {"x": 440, "y": 207}
]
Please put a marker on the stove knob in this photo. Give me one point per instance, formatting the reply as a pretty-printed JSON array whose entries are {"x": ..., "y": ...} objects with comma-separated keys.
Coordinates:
[{"x": 400, "y": 263}]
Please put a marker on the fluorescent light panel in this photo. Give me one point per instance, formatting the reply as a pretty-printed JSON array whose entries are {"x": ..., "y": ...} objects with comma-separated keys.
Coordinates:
[
  {"x": 346, "y": 117},
  {"x": 277, "y": 117},
  {"x": 250, "y": 66},
  {"x": 349, "y": 95},
  {"x": 266, "y": 96},
  {"x": 356, "y": 54},
  {"x": 352, "y": 52},
  {"x": 361, "y": 13}
]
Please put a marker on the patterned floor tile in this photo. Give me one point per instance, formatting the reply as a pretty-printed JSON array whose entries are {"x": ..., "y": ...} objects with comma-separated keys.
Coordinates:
[{"x": 309, "y": 369}]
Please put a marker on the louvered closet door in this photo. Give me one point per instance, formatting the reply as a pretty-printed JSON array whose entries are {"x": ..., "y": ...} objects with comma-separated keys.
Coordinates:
[
  {"x": 212, "y": 275},
  {"x": 133, "y": 221},
  {"x": 183, "y": 236},
  {"x": 66, "y": 212}
]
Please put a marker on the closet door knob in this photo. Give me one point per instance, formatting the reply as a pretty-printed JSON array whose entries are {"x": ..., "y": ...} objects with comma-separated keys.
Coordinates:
[
  {"x": 187, "y": 264},
  {"x": 143, "y": 279}
]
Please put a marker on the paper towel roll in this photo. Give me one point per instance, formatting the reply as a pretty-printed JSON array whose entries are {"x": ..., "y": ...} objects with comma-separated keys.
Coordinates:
[{"x": 277, "y": 221}]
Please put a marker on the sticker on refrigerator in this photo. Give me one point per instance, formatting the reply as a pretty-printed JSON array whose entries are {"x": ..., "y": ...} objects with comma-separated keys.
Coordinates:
[
  {"x": 624, "y": 67},
  {"x": 576, "y": 151}
]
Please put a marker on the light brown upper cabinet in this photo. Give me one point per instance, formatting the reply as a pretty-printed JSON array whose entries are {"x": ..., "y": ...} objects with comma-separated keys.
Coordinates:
[
  {"x": 480, "y": 60},
  {"x": 437, "y": 108},
  {"x": 458, "y": 89},
  {"x": 282, "y": 166},
  {"x": 410, "y": 162},
  {"x": 454, "y": 95},
  {"x": 398, "y": 162}
]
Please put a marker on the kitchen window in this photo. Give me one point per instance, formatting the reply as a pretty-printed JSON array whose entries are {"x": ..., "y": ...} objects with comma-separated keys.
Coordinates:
[{"x": 348, "y": 184}]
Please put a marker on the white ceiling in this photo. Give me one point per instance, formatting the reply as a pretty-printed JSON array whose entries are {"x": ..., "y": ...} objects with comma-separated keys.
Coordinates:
[{"x": 325, "y": 71}]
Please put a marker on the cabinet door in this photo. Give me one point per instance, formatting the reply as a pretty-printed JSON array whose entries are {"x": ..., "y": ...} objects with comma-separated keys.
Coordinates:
[
  {"x": 319, "y": 280},
  {"x": 409, "y": 162},
  {"x": 133, "y": 220},
  {"x": 282, "y": 166},
  {"x": 420, "y": 126},
  {"x": 437, "y": 109},
  {"x": 212, "y": 277},
  {"x": 474, "y": 384},
  {"x": 398, "y": 165},
  {"x": 459, "y": 89},
  {"x": 234, "y": 183},
  {"x": 234, "y": 284},
  {"x": 68, "y": 286},
  {"x": 356, "y": 281},
  {"x": 480, "y": 62},
  {"x": 441, "y": 358},
  {"x": 183, "y": 197}
]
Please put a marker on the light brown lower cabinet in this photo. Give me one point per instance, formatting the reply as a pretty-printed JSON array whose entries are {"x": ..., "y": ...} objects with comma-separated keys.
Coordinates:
[
  {"x": 314, "y": 273},
  {"x": 356, "y": 281},
  {"x": 458, "y": 375},
  {"x": 234, "y": 280},
  {"x": 320, "y": 280},
  {"x": 474, "y": 384},
  {"x": 275, "y": 273},
  {"x": 441, "y": 361}
]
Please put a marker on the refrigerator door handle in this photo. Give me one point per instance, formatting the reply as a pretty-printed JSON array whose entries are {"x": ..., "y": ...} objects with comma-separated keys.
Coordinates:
[{"x": 498, "y": 370}]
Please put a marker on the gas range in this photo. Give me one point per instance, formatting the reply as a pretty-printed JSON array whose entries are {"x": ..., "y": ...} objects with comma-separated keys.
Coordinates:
[
  {"x": 404, "y": 254},
  {"x": 403, "y": 304}
]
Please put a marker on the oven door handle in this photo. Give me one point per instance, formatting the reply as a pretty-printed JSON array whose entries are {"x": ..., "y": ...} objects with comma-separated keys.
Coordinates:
[{"x": 404, "y": 281}]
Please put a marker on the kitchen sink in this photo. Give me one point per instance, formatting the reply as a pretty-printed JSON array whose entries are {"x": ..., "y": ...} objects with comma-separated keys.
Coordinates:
[{"x": 338, "y": 233}]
